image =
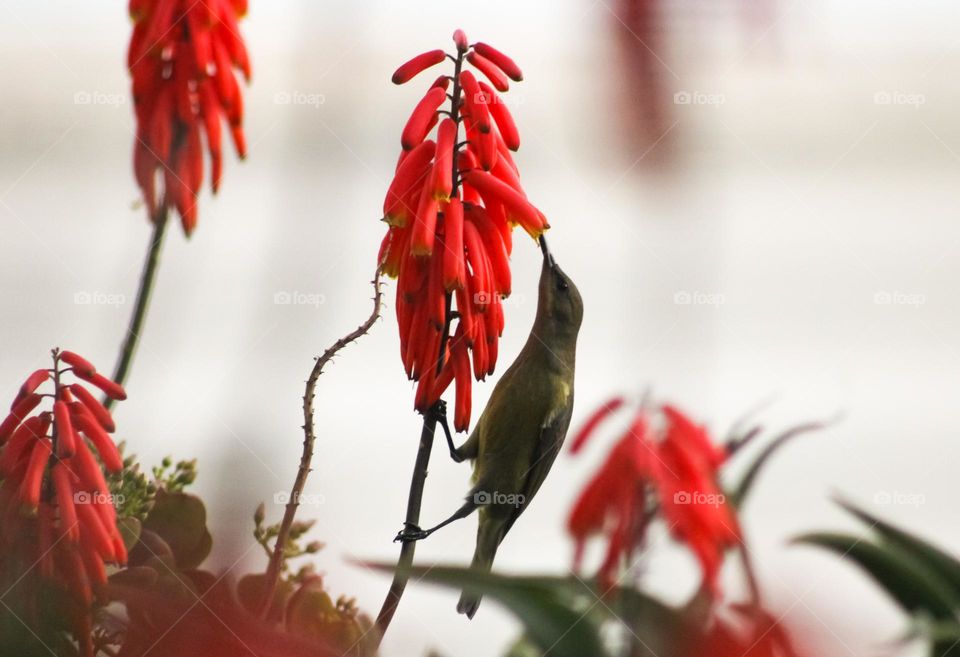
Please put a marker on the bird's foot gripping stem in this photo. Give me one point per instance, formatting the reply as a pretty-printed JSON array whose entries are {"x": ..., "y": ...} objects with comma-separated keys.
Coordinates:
[
  {"x": 441, "y": 414},
  {"x": 410, "y": 532}
]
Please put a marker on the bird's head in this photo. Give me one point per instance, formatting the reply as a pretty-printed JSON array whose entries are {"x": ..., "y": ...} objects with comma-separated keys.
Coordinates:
[{"x": 560, "y": 302}]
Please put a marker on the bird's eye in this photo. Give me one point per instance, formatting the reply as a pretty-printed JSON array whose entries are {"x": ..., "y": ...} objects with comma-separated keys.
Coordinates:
[{"x": 562, "y": 284}]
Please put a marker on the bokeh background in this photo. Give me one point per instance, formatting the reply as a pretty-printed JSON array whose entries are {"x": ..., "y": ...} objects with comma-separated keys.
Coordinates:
[{"x": 757, "y": 199}]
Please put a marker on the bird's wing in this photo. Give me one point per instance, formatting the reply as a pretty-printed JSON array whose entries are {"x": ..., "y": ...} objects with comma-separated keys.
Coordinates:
[{"x": 552, "y": 433}]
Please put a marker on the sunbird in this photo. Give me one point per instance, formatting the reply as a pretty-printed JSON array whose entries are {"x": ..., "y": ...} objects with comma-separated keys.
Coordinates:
[{"x": 522, "y": 428}]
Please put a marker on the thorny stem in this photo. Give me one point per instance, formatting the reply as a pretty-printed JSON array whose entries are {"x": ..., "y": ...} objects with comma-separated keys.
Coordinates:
[
  {"x": 419, "y": 477},
  {"x": 147, "y": 279},
  {"x": 309, "y": 437}
]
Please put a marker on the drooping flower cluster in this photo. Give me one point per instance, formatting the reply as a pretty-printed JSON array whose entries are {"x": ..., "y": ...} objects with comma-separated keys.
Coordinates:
[
  {"x": 181, "y": 58},
  {"x": 666, "y": 465},
  {"x": 451, "y": 209},
  {"x": 56, "y": 508}
]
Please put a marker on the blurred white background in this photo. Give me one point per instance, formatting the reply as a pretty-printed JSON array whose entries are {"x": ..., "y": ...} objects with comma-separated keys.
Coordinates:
[{"x": 804, "y": 201}]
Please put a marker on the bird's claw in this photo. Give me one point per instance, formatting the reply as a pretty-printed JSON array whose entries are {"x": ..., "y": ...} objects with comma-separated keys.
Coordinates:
[{"x": 410, "y": 533}]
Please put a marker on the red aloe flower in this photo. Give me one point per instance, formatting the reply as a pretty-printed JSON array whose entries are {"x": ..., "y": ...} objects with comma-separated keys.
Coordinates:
[
  {"x": 451, "y": 208},
  {"x": 55, "y": 504},
  {"x": 181, "y": 58},
  {"x": 663, "y": 456}
]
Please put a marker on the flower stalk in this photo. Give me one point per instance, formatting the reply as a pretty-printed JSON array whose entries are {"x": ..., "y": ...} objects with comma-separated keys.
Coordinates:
[
  {"x": 275, "y": 567},
  {"x": 137, "y": 319}
]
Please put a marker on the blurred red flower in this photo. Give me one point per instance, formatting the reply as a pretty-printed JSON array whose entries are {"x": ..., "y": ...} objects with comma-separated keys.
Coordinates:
[
  {"x": 451, "y": 209},
  {"x": 58, "y": 515},
  {"x": 666, "y": 465},
  {"x": 181, "y": 58}
]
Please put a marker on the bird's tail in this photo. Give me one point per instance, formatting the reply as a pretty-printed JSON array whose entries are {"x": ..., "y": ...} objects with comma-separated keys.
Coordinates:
[{"x": 489, "y": 535}]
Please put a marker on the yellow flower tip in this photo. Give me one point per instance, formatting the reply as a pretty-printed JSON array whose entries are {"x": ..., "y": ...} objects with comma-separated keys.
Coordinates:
[{"x": 394, "y": 221}]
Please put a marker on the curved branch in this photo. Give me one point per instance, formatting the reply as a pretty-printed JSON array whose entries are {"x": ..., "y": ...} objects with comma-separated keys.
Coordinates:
[{"x": 309, "y": 437}]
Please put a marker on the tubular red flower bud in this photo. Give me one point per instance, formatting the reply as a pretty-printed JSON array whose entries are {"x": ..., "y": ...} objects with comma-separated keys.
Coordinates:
[
  {"x": 442, "y": 381},
  {"x": 420, "y": 119},
  {"x": 423, "y": 399},
  {"x": 392, "y": 249},
  {"x": 424, "y": 227},
  {"x": 77, "y": 576},
  {"x": 505, "y": 172},
  {"x": 453, "y": 269},
  {"x": 460, "y": 39},
  {"x": 63, "y": 486},
  {"x": 473, "y": 102},
  {"x": 109, "y": 388},
  {"x": 86, "y": 423},
  {"x": 499, "y": 218},
  {"x": 518, "y": 208},
  {"x": 494, "y": 247},
  {"x": 33, "y": 476},
  {"x": 442, "y": 181},
  {"x": 33, "y": 429},
  {"x": 465, "y": 308},
  {"x": 119, "y": 548},
  {"x": 481, "y": 359},
  {"x": 87, "y": 469},
  {"x": 32, "y": 383},
  {"x": 490, "y": 70},
  {"x": 502, "y": 117},
  {"x": 410, "y": 177},
  {"x": 45, "y": 541},
  {"x": 91, "y": 527},
  {"x": 92, "y": 563},
  {"x": 417, "y": 65},
  {"x": 19, "y": 412},
  {"x": 493, "y": 348},
  {"x": 461, "y": 368},
  {"x": 93, "y": 405},
  {"x": 81, "y": 366},
  {"x": 476, "y": 254},
  {"x": 435, "y": 294},
  {"x": 466, "y": 161},
  {"x": 63, "y": 428},
  {"x": 594, "y": 421},
  {"x": 486, "y": 150},
  {"x": 502, "y": 62},
  {"x": 415, "y": 338}
]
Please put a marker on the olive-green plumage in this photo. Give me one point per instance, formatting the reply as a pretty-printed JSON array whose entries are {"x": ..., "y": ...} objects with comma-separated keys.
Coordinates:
[{"x": 521, "y": 430}]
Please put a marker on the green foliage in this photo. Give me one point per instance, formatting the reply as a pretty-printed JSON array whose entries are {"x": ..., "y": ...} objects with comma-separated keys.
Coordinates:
[
  {"x": 559, "y": 615},
  {"x": 133, "y": 491},
  {"x": 180, "y": 520},
  {"x": 311, "y": 613},
  {"x": 174, "y": 478},
  {"x": 266, "y": 536},
  {"x": 738, "y": 493},
  {"x": 921, "y": 578}
]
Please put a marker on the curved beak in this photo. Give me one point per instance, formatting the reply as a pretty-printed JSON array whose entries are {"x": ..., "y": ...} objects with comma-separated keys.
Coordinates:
[{"x": 547, "y": 256}]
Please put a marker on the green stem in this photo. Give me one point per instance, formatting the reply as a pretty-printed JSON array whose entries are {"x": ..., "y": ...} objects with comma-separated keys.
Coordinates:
[{"x": 135, "y": 328}]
